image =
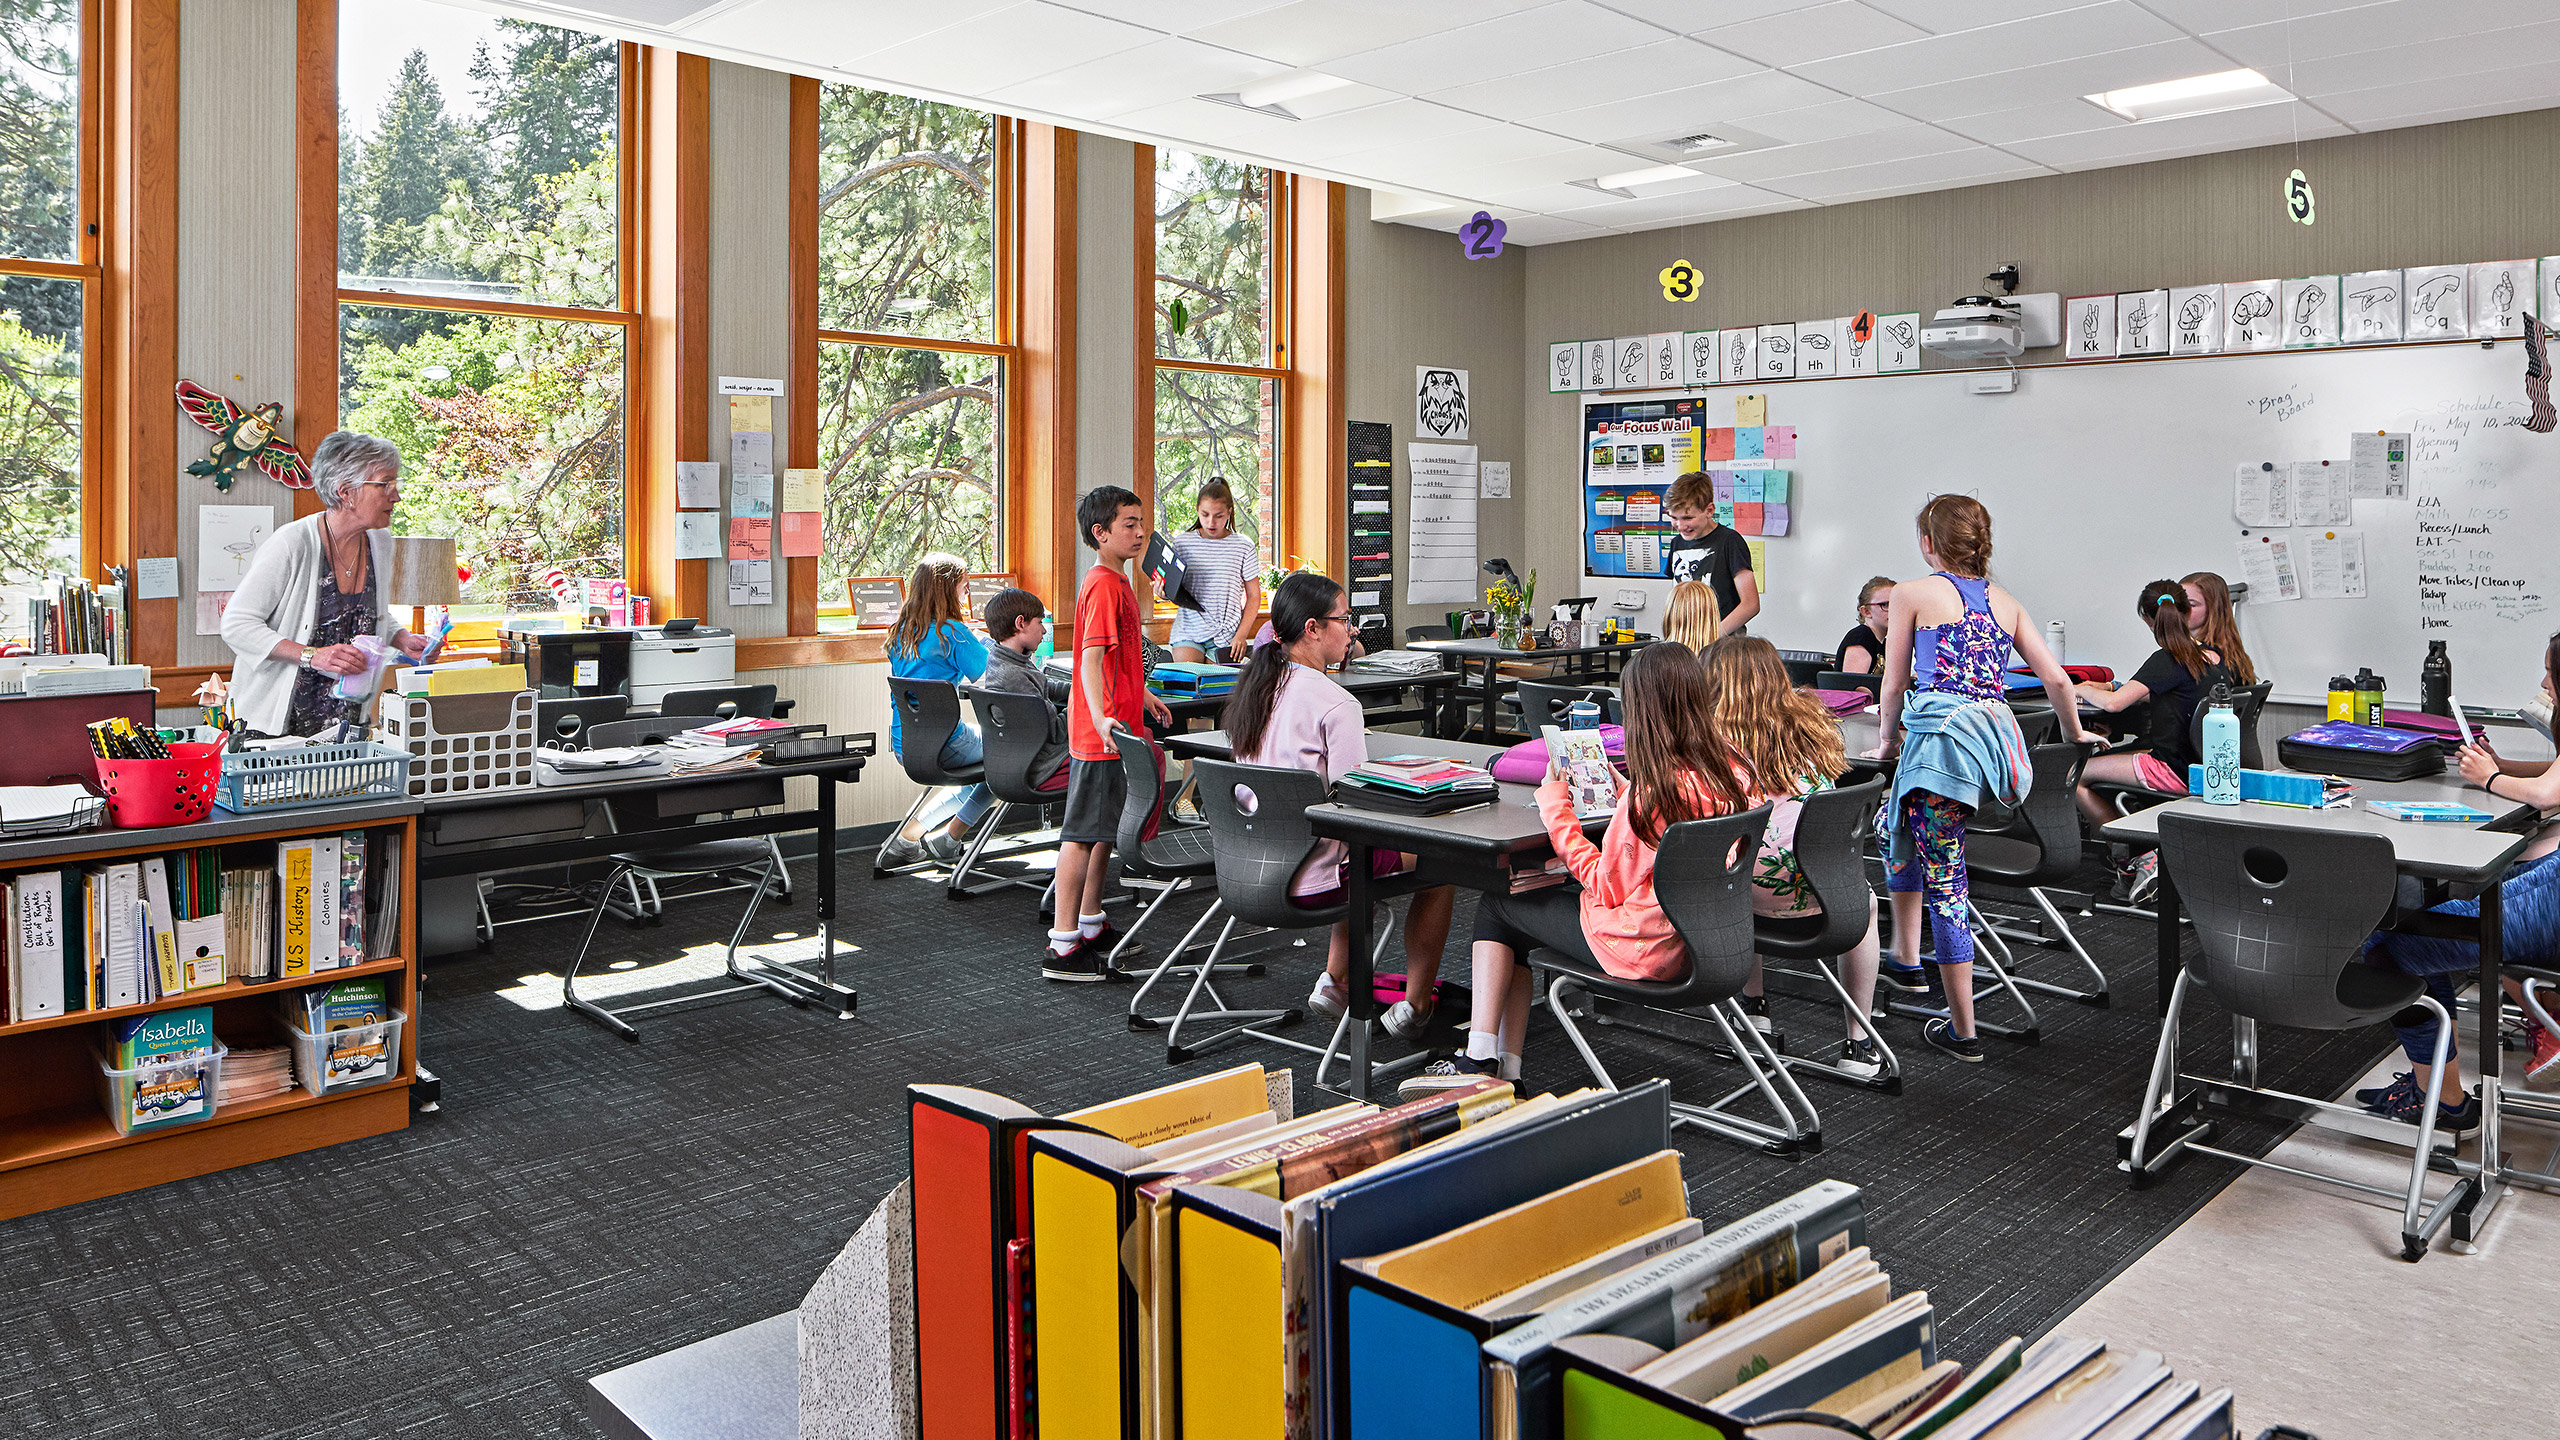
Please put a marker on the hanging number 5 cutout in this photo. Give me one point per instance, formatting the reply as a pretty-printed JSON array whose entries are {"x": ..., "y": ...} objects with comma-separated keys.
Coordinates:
[
  {"x": 2297, "y": 198},
  {"x": 1681, "y": 281},
  {"x": 1481, "y": 237}
]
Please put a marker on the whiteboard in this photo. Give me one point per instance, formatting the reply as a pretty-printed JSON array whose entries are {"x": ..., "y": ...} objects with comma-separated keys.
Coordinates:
[{"x": 2103, "y": 476}]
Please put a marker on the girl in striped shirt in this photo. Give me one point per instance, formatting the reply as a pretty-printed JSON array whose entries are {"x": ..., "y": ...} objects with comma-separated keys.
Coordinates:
[{"x": 1225, "y": 576}]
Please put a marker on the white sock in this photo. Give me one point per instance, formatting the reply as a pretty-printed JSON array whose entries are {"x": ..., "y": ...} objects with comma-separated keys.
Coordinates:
[
  {"x": 1510, "y": 1065},
  {"x": 1062, "y": 941},
  {"x": 1091, "y": 925},
  {"x": 1483, "y": 1046}
]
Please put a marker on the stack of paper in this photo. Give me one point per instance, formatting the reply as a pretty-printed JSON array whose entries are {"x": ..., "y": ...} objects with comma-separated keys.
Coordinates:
[
  {"x": 45, "y": 809},
  {"x": 1415, "y": 785},
  {"x": 253, "y": 1073},
  {"x": 1401, "y": 662},
  {"x": 1182, "y": 678}
]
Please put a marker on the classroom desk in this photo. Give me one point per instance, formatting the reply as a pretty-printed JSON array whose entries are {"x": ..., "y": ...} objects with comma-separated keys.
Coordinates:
[
  {"x": 550, "y": 825},
  {"x": 2435, "y": 850},
  {"x": 1582, "y": 659},
  {"x": 1364, "y": 684}
]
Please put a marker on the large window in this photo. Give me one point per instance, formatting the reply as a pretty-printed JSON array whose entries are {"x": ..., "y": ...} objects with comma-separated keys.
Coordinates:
[
  {"x": 485, "y": 310},
  {"x": 1219, "y": 349},
  {"x": 915, "y": 335},
  {"x": 48, "y": 275}
]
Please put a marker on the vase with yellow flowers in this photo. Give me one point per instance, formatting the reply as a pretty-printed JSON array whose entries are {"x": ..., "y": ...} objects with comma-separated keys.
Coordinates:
[{"x": 1510, "y": 599}]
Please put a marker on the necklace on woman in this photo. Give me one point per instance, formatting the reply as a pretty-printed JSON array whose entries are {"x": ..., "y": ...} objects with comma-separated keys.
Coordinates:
[{"x": 343, "y": 570}]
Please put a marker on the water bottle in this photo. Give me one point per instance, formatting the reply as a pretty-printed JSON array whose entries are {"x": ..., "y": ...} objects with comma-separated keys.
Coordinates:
[
  {"x": 2368, "y": 697},
  {"x": 1582, "y": 714},
  {"x": 2435, "y": 681},
  {"x": 2221, "y": 750},
  {"x": 2342, "y": 697},
  {"x": 1048, "y": 641},
  {"x": 2053, "y": 635}
]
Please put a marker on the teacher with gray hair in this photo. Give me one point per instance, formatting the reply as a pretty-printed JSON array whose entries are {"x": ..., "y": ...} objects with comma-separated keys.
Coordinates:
[{"x": 311, "y": 590}]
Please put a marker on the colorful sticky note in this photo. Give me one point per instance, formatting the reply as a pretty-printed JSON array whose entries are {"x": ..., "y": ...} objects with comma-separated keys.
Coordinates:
[
  {"x": 1774, "y": 485},
  {"x": 1722, "y": 480},
  {"x": 751, "y": 413},
  {"x": 804, "y": 489},
  {"x": 1773, "y": 519},
  {"x": 1749, "y": 443},
  {"x": 1747, "y": 488},
  {"x": 1781, "y": 442},
  {"x": 1751, "y": 410},
  {"x": 1746, "y": 517},
  {"x": 751, "y": 539},
  {"x": 802, "y": 534},
  {"x": 1760, "y": 564},
  {"x": 1724, "y": 512},
  {"x": 1718, "y": 443}
]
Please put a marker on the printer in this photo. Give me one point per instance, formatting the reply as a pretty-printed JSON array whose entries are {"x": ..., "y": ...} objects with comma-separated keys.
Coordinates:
[
  {"x": 563, "y": 664},
  {"x": 680, "y": 655}
]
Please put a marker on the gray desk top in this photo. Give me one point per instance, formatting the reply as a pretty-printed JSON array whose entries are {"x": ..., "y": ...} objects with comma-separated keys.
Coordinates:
[
  {"x": 218, "y": 825},
  {"x": 538, "y": 794},
  {"x": 1510, "y": 823},
  {"x": 2444, "y": 849},
  {"x": 1486, "y": 646},
  {"x": 1358, "y": 682}
]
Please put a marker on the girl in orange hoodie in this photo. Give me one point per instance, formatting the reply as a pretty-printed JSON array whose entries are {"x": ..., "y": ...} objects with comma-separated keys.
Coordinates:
[{"x": 1677, "y": 769}]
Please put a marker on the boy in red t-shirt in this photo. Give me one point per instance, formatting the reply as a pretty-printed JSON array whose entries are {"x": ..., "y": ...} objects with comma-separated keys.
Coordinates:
[{"x": 1110, "y": 693}]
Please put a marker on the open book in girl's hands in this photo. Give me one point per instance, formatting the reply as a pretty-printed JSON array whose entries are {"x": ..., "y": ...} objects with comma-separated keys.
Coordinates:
[{"x": 1583, "y": 761}]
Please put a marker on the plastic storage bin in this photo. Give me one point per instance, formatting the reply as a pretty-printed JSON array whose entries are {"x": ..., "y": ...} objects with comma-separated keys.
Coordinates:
[
  {"x": 346, "y": 1059},
  {"x": 461, "y": 744},
  {"x": 175, "y": 791},
  {"x": 160, "y": 1094},
  {"x": 256, "y": 781}
]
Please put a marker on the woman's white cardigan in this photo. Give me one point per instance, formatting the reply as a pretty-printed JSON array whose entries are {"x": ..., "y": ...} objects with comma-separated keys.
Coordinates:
[{"x": 279, "y": 600}]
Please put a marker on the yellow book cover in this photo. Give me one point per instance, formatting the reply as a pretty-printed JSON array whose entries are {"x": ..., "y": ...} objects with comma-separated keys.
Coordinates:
[
  {"x": 1491, "y": 1257},
  {"x": 1175, "y": 1110},
  {"x": 294, "y": 860},
  {"x": 477, "y": 680}
]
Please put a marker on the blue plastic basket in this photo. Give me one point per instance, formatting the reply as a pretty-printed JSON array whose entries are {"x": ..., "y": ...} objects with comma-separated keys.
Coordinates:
[{"x": 258, "y": 781}]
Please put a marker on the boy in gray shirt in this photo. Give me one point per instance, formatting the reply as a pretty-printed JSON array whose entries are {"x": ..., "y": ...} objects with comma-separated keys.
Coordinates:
[{"x": 1013, "y": 626}]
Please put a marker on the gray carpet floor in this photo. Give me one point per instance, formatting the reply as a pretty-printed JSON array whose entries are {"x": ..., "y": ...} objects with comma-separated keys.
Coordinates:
[{"x": 581, "y": 1202}]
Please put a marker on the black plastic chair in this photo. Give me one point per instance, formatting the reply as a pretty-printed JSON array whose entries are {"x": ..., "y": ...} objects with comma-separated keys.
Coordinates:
[
  {"x": 1155, "y": 850},
  {"x": 1832, "y": 833},
  {"x": 563, "y": 723},
  {"x": 1806, "y": 671},
  {"x": 1259, "y": 836},
  {"x": 1871, "y": 682},
  {"x": 928, "y": 714},
  {"x": 2246, "y": 706},
  {"x": 1543, "y": 704},
  {"x": 1702, "y": 876},
  {"x": 729, "y": 702},
  {"x": 1012, "y": 729},
  {"x": 2282, "y": 914},
  {"x": 2031, "y": 849}
]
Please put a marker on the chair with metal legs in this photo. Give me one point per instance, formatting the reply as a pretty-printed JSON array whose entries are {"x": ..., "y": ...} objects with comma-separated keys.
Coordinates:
[
  {"x": 928, "y": 716},
  {"x": 2037, "y": 848},
  {"x": 646, "y": 902},
  {"x": 2540, "y": 983},
  {"x": 710, "y": 857},
  {"x": 1259, "y": 836},
  {"x": 1832, "y": 832},
  {"x": 1157, "y": 852},
  {"x": 1014, "y": 728},
  {"x": 1702, "y": 878},
  {"x": 1542, "y": 703},
  {"x": 2282, "y": 915}
]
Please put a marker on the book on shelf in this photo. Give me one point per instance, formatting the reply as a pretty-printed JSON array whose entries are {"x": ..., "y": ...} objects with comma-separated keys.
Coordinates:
[
  {"x": 164, "y": 1090},
  {"x": 345, "y": 1021},
  {"x": 248, "y": 925},
  {"x": 351, "y": 883},
  {"x": 327, "y": 862},
  {"x": 37, "y": 942},
  {"x": 294, "y": 910}
]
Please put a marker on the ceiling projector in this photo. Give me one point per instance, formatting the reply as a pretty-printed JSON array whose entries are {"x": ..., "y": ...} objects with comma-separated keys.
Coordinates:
[{"x": 1984, "y": 327}]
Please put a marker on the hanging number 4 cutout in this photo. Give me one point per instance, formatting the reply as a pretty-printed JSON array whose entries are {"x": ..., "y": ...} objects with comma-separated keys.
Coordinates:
[
  {"x": 1863, "y": 328},
  {"x": 2297, "y": 198},
  {"x": 1681, "y": 281},
  {"x": 1481, "y": 237}
]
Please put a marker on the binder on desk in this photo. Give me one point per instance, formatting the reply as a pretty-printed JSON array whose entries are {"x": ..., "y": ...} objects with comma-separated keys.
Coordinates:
[{"x": 1465, "y": 1182}]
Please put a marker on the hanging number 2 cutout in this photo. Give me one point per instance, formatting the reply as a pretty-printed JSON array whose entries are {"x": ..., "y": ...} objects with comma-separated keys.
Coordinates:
[
  {"x": 1681, "y": 281},
  {"x": 1481, "y": 237},
  {"x": 2297, "y": 198}
]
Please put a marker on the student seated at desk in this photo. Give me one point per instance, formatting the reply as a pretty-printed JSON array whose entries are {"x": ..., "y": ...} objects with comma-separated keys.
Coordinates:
[
  {"x": 1946, "y": 659},
  {"x": 1862, "y": 649},
  {"x": 931, "y": 641},
  {"x": 1013, "y": 623},
  {"x": 1792, "y": 746},
  {"x": 2216, "y": 628},
  {"x": 1692, "y": 617},
  {"x": 2180, "y": 675},
  {"x": 2529, "y": 920},
  {"x": 1678, "y": 769},
  {"x": 1708, "y": 550},
  {"x": 1286, "y": 712}
]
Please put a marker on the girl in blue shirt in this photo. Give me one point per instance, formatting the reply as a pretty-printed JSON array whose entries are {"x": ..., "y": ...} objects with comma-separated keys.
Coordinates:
[{"x": 931, "y": 641}]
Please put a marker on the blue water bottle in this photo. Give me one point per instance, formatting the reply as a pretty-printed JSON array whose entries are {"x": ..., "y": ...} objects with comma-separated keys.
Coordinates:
[
  {"x": 1048, "y": 641},
  {"x": 2221, "y": 750},
  {"x": 1582, "y": 714}
]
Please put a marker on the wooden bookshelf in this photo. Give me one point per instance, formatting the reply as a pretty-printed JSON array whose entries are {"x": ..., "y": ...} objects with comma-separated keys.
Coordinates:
[{"x": 58, "y": 1146}]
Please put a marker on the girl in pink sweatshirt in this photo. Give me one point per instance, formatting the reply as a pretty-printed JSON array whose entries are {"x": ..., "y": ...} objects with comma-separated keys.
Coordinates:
[{"x": 1678, "y": 769}]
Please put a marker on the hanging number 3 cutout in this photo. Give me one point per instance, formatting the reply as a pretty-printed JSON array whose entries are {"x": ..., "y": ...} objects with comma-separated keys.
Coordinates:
[
  {"x": 2297, "y": 198},
  {"x": 1681, "y": 281},
  {"x": 1481, "y": 237}
]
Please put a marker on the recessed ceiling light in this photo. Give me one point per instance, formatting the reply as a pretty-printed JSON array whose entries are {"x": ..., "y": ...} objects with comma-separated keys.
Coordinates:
[
  {"x": 2195, "y": 95},
  {"x": 1649, "y": 175},
  {"x": 1702, "y": 144},
  {"x": 1287, "y": 86}
]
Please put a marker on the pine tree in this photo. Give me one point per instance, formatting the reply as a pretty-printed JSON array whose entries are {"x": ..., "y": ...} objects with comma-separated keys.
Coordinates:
[
  {"x": 549, "y": 105},
  {"x": 407, "y": 168}
]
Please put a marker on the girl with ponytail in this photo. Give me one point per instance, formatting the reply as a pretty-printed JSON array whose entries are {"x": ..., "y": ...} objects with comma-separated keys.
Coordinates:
[
  {"x": 1286, "y": 711},
  {"x": 2180, "y": 674}
]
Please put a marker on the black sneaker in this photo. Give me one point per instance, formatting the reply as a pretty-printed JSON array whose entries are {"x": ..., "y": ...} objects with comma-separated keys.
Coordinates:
[
  {"x": 1448, "y": 1074},
  {"x": 2402, "y": 1089},
  {"x": 1941, "y": 1035},
  {"x": 1757, "y": 1008},
  {"x": 1084, "y": 965},
  {"x": 2452, "y": 1121},
  {"x": 1861, "y": 1058},
  {"x": 1101, "y": 941},
  {"x": 1910, "y": 979}
]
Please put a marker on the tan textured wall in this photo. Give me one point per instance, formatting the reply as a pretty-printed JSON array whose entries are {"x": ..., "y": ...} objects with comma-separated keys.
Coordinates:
[
  {"x": 847, "y": 699},
  {"x": 2437, "y": 194},
  {"x": 750, "y": 282},
  {"x": 1410, "y": 298},
  {"x": 1106, "y": 320}
]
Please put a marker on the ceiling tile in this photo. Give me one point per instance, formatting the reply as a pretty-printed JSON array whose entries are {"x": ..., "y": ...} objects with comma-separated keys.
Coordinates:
[
  {"x": 2204, "y": 17},
  {"x": 1174, "y": 16},
  {"x": 1010, "y": 46},
  {"x": 2495, "y": 92},
  {"x": 1469, "y": 150},
  {"x": 1971, "y": 166},
  {"x": 1695, "y": 108},
  {"x": 1887, "y": 192},
  {"x": 1945, "y": 17},
  {"x": 1691, "y": 16},
  {"x": 1822, "y": 122},
  {"x": 1209, "y": 126},
  {"x": 1663, "y": 210},
  {"x": 1397, "y": 122},
  {"x": 2394, "y": 23},
  {"x": 1498, "y": 182},
  {"x": 1548, "y": 198},
  {"x": 2034, "y": 122},
  {"x": 2092, "y": 29},
  {"x": 2054, "y": 82},
  {"x": 836, "y": 32},
  {"x": 1647, "y": 69},
  {"x": 2400, "y": 65},
  {"x": 1763, "y": 166},
  {"x": 1505, "y": 45},
  {"x": 1842, "y": 27},
  {"x": 2195, "y": 134},
  {"x": 1312, "y": 32},
  {"x": 1168, "y": 69}
]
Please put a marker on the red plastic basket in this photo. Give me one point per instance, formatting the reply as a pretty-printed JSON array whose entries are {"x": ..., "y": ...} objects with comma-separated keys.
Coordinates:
[{"x": 175, "y": 791}]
